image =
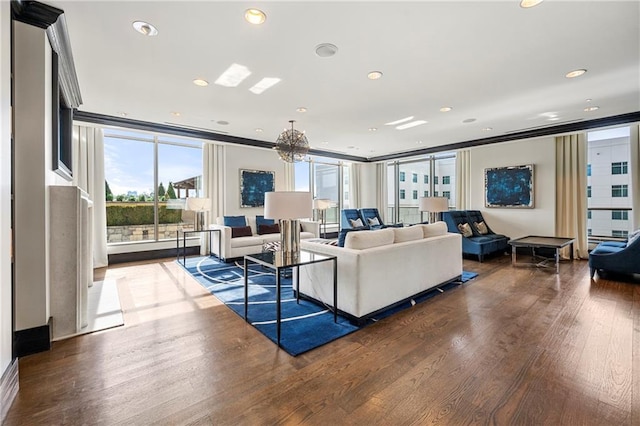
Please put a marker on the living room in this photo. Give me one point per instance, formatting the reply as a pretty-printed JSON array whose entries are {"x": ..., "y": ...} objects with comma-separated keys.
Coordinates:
[{"x": 162, "y": 307}]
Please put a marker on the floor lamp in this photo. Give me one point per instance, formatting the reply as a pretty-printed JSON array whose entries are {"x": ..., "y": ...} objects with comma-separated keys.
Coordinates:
[
  {"x": 288, "y": 207},
  {"x": 322, "y": 204},
  {"x": 434, "y": 205}
]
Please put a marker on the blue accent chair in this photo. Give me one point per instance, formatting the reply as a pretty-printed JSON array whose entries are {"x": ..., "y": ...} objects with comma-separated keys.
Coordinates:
[
  {"x": 477, "y": 244},
  {"x": 350, "y": 214},
  {"x": 614, "y": 257},
  {"x": 371, "y": 213}
]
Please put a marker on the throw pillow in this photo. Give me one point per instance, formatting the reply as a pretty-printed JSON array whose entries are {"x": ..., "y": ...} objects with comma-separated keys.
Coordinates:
[
  {"x": 240, "y": 231},
  {"x": 268, "y": 229},
  {"x": 482, "y": 228},
  {"x": 234, "y": 221},
  {"x": 357, "y": 223},
  {"x": 260, "y": 220},
  {"x": 465, "y": 230},
  {"x": 373, "y": 221}
]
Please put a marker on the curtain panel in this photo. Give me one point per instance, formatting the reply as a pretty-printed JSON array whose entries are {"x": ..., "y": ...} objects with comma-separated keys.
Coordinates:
[
  {"x": 382, "y": 202},
  {"x": 213, "y": 177},
  {"x": 571, "y": 192},
  {"x": 463, "y": 179}
]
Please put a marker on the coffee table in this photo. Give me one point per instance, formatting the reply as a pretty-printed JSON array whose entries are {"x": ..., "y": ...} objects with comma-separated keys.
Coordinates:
[{"x": 535, "y": 242}]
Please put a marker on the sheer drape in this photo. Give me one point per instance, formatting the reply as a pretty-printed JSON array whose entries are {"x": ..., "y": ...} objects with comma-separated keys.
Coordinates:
[
  {"x": 289, "y": 177},
  {"x": 355, "y": 171},
  {"x": 571, "y": 191},
  {"x": 88, "y": 174},
  {"x": 634, "y": 139},
  {"x": 213, "y": 177},
  {"x": 463, "y": 179},
  {"x": 382, "y": 202}
]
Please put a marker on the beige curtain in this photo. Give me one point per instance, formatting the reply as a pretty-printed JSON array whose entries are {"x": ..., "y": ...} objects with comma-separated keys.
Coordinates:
[
  {"x": 571, "y": 192},
  {"x": 634, "y": 139},
  {"x": 289, "y": 177},
  {"x": 213, "y": 174},
  {"x": 463, "y": 179},
  {"x": 355, "y": 172},
  {"x": 382, "y": 202},
  {"x": 88, "y": 175}
]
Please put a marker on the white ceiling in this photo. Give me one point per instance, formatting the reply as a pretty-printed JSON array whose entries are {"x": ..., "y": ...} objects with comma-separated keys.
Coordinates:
[{"x": 494, "y": 62}]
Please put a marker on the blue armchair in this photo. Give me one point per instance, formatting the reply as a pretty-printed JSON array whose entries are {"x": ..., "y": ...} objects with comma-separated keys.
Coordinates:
[
  {"x": 616, "y": 257},
  {"x": 479, "y": 243},
  {"x": 350, "y": 214},
  {"x": 370, "y": 214}
]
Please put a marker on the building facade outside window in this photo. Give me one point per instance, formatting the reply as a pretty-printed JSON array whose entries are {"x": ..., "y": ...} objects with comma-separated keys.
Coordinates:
[
  {"x": 619, "y": 190},
  {"x": 446, "y": 180},
  {"x": 619, "y": 168},
  {"x": 619, "y": 215}
]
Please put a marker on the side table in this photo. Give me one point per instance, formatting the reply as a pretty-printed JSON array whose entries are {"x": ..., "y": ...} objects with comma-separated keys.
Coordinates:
[{"x": 184, "y": 242}]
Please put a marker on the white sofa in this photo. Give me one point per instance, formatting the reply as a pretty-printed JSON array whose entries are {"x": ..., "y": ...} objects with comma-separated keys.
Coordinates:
[
  {"x": 379, "y": 269},
  {"x": 232, "y": 248}
]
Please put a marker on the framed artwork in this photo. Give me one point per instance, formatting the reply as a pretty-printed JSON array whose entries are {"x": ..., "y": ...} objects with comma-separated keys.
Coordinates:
[
  {"x": 509, "y": 187},
  {"x": 253, "y": 185}
]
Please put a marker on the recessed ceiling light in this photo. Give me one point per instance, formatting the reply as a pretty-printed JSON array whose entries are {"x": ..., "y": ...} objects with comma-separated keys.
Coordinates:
[
  {"x": 233, "y": 75},
  {"x": 254, "y": 16},
  {"x": 264, "y": 84},
  {"x": 419, "y": 142},
  {"x": 487, "y": 129},
  {"x": 374, "y": 75},
  {"x": 200, "y": 82},
  {"x": 325, "y": 143},
  {"x": 145, "y": 28},
  {"x": 411, "y": 124},
  {"x": 301, "y": 109},
  {"x": 176, "y": 114},
  {"x": 122, "y": 114},
  {"x": 575, "y": 73},
  {"x": 402, "y": 120},
  {"x": 469, "y": 120},
  {"x": 591, "y": 108},
  {"x": 553, "y": 119},
  {"x": 588, "y": 100},
  {"x": 445, "y": 109},
  {"x": 373, "y": 129},
  {"x": 222, "y": 122},
  {"x": 258, "y": 130},
  {"x": 529, "y": 3},
  {"x": 325, "y": 50}
]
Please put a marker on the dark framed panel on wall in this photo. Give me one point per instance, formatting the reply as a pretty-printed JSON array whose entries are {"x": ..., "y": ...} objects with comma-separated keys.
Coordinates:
[
  {"x": 62, "y": 126},
  {"x": 510, "y": 187},
  {"x": 253, "y": 185}
]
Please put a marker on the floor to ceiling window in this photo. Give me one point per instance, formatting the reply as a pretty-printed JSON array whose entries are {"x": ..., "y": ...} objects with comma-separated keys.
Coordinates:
[
  {"x": 408, "y": 181},
  {"x": 147, "y": 179},
  {"x": 609, "y": 179}
]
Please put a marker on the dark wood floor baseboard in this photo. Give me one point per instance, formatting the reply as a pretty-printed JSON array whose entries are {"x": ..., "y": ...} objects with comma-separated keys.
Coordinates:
[
  {"x": 9, "y": 385},
  {"x": 33, "y": 340}
]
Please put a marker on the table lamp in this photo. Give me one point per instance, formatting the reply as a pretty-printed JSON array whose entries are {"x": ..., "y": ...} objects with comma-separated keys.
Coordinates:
[
  {"x": 322, "y": 204},
  {"x": 434, "y": 205},
  {"x": 198, "y": 205},
  {"x": 288, "y": 207}
]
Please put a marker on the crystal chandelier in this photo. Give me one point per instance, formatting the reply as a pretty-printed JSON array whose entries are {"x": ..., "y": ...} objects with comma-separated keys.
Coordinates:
[{"x": 292, "y": 145}]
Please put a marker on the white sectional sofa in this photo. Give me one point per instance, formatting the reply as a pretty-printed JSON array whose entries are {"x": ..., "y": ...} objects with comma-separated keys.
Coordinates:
[
  {"x": 381, "y": 268},
  {"x": 232, "y": 248}
]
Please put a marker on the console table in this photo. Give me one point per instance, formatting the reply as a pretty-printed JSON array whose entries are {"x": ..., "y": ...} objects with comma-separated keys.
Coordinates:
[
  {"x": 535, "y": 242},
  {"x": 279, "y": 263},
  {"x": 184, "y": 242}
]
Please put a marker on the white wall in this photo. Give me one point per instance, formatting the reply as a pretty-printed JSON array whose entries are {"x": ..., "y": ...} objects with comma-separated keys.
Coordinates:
[
  {"x": 241, "y": 157},
  {"x": 6, "y": 308},
  {"x": 518, "y": 222}
]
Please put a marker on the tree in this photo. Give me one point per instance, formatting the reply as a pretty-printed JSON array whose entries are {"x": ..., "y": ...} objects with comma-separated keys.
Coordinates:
[
  {"x": 142, "y": 198},
  {"x": 171, "y": 194},
  {"x": 161, "y": 190},
  {"x": 107, "y": 191},
  {"x": 120, "y": 197}
]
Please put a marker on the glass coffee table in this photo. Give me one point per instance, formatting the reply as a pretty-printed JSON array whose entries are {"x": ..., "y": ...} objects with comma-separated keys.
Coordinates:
[
  {"x": 535, "y": 242},
  {"x": 280, "y": 263}
]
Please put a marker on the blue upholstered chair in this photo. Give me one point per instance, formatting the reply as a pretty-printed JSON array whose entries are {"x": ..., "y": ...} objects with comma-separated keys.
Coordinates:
[
  {"x": 618, "y": 257},
  {"x": 371, "y": 214},
  {"x": 350, "y": 214},
  {"x": 478, "y": 244}
]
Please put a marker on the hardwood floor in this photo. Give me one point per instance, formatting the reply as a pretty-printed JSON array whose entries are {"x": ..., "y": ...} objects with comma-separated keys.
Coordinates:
[{"x": 513, "y": 346}]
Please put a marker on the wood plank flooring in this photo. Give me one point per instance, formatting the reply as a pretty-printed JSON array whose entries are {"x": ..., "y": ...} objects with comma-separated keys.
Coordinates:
[{"x": 514, "y": 346}]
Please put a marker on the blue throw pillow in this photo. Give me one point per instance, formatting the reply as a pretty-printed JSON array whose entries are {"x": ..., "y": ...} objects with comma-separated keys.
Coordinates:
[
  {"x": 343, "y": 234},
  {"x": 235, "y": 221},
  {"x": 260, "y": 220}
]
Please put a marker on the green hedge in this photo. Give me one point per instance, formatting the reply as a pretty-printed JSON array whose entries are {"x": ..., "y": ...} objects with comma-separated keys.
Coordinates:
[{"x": 122, "y": 214}]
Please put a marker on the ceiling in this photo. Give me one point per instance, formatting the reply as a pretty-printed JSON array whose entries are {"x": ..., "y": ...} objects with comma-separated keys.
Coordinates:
[{"x": 492, "y": 62}]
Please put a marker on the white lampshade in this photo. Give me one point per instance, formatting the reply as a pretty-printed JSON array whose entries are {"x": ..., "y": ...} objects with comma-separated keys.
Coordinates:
[
  {"x": 197, "y": 204},
  {"x": 321, "y": 204},
  {"x": 434, "y": 204},
  {"x": 287, "y": 205}
]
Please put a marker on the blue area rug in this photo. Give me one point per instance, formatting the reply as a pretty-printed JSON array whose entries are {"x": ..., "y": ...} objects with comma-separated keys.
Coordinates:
[{"x": 304, "y": 326}]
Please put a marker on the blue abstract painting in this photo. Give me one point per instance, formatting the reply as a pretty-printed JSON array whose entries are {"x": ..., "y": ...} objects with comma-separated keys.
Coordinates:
[
  {"x": 509, "y": 187},
  {"x": 253, "y": 185}
]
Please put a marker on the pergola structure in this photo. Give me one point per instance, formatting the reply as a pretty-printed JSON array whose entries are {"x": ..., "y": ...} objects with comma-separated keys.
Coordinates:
[{"x": 187, "y": 185}]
